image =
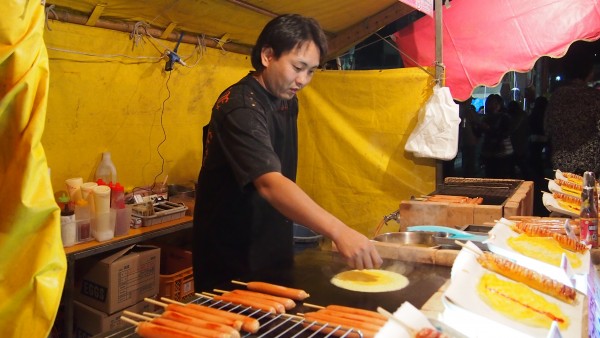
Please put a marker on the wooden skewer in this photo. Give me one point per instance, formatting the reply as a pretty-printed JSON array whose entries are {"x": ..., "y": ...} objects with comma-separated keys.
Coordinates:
[
  {"x": 206, "y": 294},
  {"x": 155, "y": 302},
  {"x": 313, "y": 306},
  {"x": 136, "y": 315},
  {"x": 151, "y": 314},
  {"x": 220, "y": 291},
  {"x": 129, "y": 320},
  {"x": 172, "y": 301},
  {"x": 238, "y": 282},
  {"x": 388, "y": 315}
]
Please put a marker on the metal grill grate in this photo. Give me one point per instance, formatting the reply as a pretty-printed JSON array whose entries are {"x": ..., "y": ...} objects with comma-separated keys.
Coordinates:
[
  {"x": 493, "y": 191},
  {"x": 271, "y": 325}
]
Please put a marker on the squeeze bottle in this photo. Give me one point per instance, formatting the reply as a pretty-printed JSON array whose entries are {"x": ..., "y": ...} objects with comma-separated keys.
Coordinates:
[{"x": 106, "y": 169}]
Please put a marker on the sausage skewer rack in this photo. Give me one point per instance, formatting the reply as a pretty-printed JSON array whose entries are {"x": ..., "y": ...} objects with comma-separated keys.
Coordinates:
[{"x": 271, "y": 325}]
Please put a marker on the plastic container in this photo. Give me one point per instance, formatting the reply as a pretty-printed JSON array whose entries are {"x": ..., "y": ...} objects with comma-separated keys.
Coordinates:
[
  {"x": 102, "y": 199},
  {"x": 74, "y": 189},
  {"x": 104, "y": 225},
  {"x": 83, "y": 218},
  {"x": 123, "y": 222},
  {"x": 176, "y": 273},
  {"x": 87, "y": 193},
  {"x": 106, "y": 169},
  {"x": 68, "y": 226}
]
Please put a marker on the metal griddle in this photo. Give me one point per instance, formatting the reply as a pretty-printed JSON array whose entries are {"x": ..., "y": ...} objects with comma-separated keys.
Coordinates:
[{"x": 312, "y": 271}]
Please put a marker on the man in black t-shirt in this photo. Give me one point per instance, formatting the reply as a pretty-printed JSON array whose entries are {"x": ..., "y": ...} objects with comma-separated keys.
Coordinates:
[{"x": 246, "y": 195}]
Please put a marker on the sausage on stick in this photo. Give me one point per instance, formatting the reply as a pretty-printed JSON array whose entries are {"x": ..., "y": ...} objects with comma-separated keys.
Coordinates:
[
  {"x": 246, "y": 323},
  {"x": 528, "y": 277},
  {"x": 246, "y": 301},
  {"x": 180, "y": 317},
  {"x": 537, "y": 231},
  {"x": 189, "y": 311},
  {"x": 353, "y": 316},
  {"x": 368, "y": 330},
  {"x": 150, "y": 330},
  {"x": 201, "y": 331},
  {"x": 276, "y": 290},
  {"x": 254, "y": 299},
  {"x": 288, "y": 303}
]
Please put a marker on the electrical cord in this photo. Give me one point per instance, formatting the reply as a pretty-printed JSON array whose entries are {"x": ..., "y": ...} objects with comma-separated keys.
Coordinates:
[{"x": 162, "y": 113}]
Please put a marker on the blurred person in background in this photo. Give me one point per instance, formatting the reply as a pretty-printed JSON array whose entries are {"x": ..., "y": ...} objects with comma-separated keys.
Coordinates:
[
  {"x": 573, "y": 115},
  {"x": 496, "y": 151},
  {"x": 469, "y": 137},
  {"x": 519, "y": 137}
]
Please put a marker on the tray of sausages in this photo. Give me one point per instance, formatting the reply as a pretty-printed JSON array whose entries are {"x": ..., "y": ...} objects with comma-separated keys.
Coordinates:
[{"x": 259, "y": 309}]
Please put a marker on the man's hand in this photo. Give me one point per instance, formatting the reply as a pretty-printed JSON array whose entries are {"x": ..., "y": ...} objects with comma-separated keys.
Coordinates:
[{"x": 359, "y": 251}]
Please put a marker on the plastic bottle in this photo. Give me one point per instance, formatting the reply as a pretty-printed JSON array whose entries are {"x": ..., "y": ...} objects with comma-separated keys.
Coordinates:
[
  {"x": 117, "y": 196},
  {"x": 589, "y": 211},
  {"x": 67, "y": 223},
  {"x": 106, "y": 169}
]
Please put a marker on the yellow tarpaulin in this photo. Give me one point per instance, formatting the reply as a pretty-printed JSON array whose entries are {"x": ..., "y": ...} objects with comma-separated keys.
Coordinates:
[
  {"x": 353, "y": 126},
  {"x": 109, "y": 94},
  {"x": 33, "y": 265}
]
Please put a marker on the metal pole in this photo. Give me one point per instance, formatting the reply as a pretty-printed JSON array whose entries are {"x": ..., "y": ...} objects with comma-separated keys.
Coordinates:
[{"x": 439, "y": 74}]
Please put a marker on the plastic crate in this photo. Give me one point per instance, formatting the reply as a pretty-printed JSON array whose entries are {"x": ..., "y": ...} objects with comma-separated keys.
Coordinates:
[
  {"x": 163, "y": 212},
  {"x": 176, "y": 274}
]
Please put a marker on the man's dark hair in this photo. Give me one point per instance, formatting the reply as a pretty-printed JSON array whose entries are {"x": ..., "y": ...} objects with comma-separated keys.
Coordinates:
[{"x": 284, "y": 33}]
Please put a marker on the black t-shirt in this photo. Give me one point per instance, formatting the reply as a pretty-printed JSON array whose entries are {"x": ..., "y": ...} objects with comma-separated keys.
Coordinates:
[{"x": 236, "y": 231}]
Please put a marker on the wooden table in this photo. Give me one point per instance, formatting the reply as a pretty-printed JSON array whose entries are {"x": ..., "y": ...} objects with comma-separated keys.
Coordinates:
[{"x": 92, "y": 248}]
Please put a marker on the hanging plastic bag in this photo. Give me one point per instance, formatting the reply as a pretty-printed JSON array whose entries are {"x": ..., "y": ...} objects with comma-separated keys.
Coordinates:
[{"x": 436, "y": 133}]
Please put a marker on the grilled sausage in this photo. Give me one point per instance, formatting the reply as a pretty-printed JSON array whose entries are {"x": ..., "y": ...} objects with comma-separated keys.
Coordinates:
[
  {"x": 150, "y": 330},
  {"x": 246, "y": 323},
  {"x": 212, "y": 317},
  {"x": 362, "y": 312},
  {"x": 180, "y": 317},
  {"x": 287, "y": 303},
  {"x": 201, "y": 331},
  {"x": 528, "y": 277},
  {"x": 277, "y": 290},
  {"x": 368, "y": 329},
  {"x": 248, "y": 301}
]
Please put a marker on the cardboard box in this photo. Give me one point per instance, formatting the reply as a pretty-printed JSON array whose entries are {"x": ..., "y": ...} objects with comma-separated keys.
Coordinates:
[
  {"x": 90, "y": 322},
  {"x": 119, "y": 280}
]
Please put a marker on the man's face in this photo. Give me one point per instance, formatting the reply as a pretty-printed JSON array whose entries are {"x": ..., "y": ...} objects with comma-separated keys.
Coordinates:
[{"x": 293, "y": 70}]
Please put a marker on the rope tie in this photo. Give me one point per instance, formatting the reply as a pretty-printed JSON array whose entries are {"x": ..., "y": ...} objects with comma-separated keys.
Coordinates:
[
  {"x": 136, "y": 35},
  {"x": 47, "y": 11}
]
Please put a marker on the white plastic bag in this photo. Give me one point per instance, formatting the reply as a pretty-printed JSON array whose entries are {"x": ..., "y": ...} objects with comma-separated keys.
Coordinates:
[{"x": 436, "y": 133}]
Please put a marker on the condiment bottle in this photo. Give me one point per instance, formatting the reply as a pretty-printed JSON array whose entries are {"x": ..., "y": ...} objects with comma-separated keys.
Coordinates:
[
  {"x": 589, "y": 211},
  {"x": 117, "y": 196},
  {"x": 106, "y": 169},
  {"x": 67, "y": 223}
]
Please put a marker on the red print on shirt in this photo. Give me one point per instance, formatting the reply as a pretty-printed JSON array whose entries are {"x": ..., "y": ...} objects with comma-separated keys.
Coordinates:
[{"x": 223, "y": 99}]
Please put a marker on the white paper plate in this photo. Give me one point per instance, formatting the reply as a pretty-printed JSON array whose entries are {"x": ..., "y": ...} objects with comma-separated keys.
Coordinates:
[
  {"x": 462, "y": 301},
  {"x": 552, "y": 205},
  {"x": 497, "y": 243}
]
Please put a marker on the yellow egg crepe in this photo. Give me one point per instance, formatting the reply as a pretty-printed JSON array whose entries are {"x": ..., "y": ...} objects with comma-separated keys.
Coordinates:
[
  {"x": 544, "y": 249},
  {"x": 370, "y": 280},
  {"x": 518, "y": 302}
]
